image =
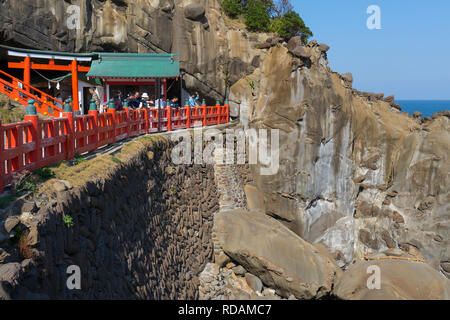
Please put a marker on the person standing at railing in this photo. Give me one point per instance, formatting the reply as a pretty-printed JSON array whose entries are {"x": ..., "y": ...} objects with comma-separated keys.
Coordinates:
[
  {"x": 161, "y": 100},
  {"x": 96, "y": 99},
  {"x": 57, "y": 103},
  {"x": 193, "y": 99},
  {"x": 135, "y": 101},
  {"x": 145, "y": 100},
  {"x": 118, "y": 103},
  {"x": 174, "y": 102}
]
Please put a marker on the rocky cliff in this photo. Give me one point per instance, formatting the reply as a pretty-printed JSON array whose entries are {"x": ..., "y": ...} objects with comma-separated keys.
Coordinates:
[
  {"x": 355, "y": 174},
  {"x": 358, "y": 179}
]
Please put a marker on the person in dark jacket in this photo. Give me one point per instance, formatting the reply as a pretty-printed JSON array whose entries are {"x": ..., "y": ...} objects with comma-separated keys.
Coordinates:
[
  {"x": 118, "y": 103},
  {"x": 174, "y": 102},
  {"x": 135, "y": 101}
]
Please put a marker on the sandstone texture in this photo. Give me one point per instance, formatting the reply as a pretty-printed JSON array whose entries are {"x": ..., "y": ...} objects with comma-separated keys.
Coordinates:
[
  {"x": 273, "y": 253},
  {"x": 400, "y": 280},
  {"x": 358, "y": 179},
  {"x": 355, "y": 174}
]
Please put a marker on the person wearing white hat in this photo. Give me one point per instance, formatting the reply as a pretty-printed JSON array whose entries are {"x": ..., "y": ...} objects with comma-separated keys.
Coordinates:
[{"x": 145, "y": 99}]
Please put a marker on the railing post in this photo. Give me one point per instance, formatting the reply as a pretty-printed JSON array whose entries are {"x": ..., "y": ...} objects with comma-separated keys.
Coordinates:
[
  {"x": 227, "y": 111},
  {"x": 204, "y": 112},
  {"x": 146, "y": 116},
  {"x": 70, "y": 130},
  {"x": 112, "y": 110},
  {"x": 218, "y": 110},
  {"x": 93, "y": 111},
  {"x": 169, "y": 121},
  {"x": 129, "y": 122},
  {"x": 188, "y": 115},
  {"x": 31, "y": 115}
]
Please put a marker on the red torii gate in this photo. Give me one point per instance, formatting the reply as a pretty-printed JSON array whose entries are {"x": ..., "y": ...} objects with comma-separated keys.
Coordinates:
[{"x": 27, "y": 65}]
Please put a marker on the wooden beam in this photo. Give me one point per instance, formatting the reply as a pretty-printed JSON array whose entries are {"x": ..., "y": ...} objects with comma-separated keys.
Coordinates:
[{"x": 49, "y": 66}]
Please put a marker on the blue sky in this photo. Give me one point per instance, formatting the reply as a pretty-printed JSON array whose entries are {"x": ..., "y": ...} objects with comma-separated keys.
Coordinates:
[{"x": 408, "y": 57}]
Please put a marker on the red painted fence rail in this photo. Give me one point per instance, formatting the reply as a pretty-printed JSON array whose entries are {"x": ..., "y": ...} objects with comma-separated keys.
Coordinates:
[{"x": 36, "y": 143}]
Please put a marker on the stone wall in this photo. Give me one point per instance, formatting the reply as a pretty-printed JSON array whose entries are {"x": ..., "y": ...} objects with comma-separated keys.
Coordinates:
[{"x": 142, "y": 233}]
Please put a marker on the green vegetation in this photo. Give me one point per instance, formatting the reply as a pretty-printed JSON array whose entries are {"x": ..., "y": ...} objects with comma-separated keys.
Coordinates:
[
  {"x": 257, "y": 15},
  {"x": 116, "y": 160},
  {"x": 233, "y": 8},
  {"x": 18, "y": 234},
  {"x": 77, "y": 159},
  {"x": 8, "y": 112},
  {"x": 290, "y": 25},
  {"x": 44, "y": 173},
  {"x": 27, "y": 183},
  {"x": 68, "y": 220},
  {"x": 267, "y": 16}
]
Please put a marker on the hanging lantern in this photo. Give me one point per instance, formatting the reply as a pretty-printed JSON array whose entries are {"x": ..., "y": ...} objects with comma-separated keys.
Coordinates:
[
  {"x": 49, "y": 85},
  {"x": 57, "y": 86}
]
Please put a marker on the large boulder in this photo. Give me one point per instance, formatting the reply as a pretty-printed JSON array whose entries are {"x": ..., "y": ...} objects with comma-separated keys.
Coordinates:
[
  {"x": 324, "y": 47},
  {"x": 400, "y": 280},
  {"x": 294, "y": 42},
  {"x": 276, "y": 255},
  {"x": 301, "y": 52},
  {"x": 348, "y": 77},
  {"x": 194, "y": 12}
]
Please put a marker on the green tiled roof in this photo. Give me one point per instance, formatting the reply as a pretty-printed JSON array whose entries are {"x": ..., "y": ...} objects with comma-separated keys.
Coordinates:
[{"x": 134, "y": 65}]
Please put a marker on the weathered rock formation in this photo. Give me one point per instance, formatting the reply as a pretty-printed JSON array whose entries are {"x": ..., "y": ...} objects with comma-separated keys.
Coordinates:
[
  {"x": 399, "y": 280},
  {"x": 280, "y": 258},
  {"x": 355, "y": 173}
]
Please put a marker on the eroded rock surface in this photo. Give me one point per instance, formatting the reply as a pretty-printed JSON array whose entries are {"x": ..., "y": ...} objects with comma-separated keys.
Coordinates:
[
  {"x": 270, "y": 251},
  {"x": 355, "y": 174},
  {"x": 400, "y": 280}
]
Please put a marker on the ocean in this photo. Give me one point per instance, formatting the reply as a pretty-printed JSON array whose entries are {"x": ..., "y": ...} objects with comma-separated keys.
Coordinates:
[{"x": 427, "y": 107}]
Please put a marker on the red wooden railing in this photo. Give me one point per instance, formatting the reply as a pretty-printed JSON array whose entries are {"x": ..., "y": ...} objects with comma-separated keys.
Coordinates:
[
  {"x": 45, "y": 103},
  {"x": 36, "y": 143}
]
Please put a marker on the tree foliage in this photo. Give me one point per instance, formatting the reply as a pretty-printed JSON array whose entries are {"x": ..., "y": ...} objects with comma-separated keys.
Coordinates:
[
  {"x": 233, "y": 8},
  {"x": 257, "y": 15},
  {"x": 291, "y": 25},
  {"x": 265, "y": 15}
]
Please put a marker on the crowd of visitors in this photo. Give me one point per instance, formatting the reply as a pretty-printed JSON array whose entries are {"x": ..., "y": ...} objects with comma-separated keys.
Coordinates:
[{"x": 137, "y": 101}]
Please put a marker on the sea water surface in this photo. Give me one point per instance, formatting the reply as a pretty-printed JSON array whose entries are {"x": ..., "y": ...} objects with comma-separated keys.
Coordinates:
[{"x": 427, "y": 107}]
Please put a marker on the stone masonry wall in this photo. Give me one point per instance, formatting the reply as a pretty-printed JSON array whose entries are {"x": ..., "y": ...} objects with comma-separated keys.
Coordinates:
[{"x": 142, "y": 233}]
